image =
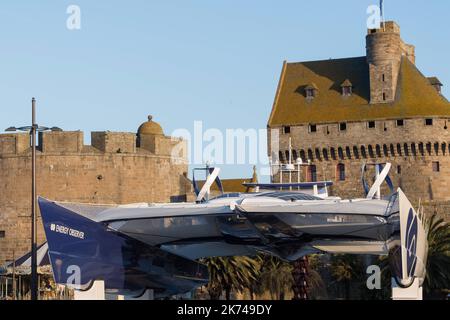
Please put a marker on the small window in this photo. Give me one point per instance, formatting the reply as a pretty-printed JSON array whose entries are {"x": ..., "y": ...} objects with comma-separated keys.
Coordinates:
[
  {"x": 383, "y": 78},
  {"x": 346, "y": 91},
  {"x": 312, "y": 173},
  {"x": 428, "y": 122},
  {"x": 341, "y": 172},
  {"x": 310, "y": 93},
  {"x": 436, "y": 167},
  {"x": 384, "y": 96},
  {"x": 312, "y": 128},
  {"x": 371, "y": 124},
  {"x": 2, "y": 234},
  {"x": 347, "y": 88},
  {"x": 399, "y": 169},
  {"x": 400, "y": 123},
  {"x": 286, "y": 130},
  {"x": 342, "y": 126}
]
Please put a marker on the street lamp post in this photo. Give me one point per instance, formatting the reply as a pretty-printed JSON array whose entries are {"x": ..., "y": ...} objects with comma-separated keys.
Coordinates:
[{"x": 33, "y": 129}]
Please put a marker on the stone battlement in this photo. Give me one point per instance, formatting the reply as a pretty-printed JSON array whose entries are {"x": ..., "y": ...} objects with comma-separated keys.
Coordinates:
[
  {"x": 115, "y": 168},
  {"x": 103, "y": 141}
]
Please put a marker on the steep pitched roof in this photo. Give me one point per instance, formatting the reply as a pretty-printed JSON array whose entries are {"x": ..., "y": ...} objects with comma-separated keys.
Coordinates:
[{"x": 415, "y": 96}]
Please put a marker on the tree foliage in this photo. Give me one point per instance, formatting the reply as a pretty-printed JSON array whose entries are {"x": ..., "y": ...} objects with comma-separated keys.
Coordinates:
[{"x": 438, "y": 262}]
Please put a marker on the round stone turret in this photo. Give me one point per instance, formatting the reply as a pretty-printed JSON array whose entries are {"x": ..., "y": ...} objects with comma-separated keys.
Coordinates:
[{"x": 150, "y": 127}]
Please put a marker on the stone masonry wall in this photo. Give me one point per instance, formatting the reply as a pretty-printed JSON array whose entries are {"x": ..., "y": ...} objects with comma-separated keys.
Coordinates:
[
  {"x": 87, "y": 176},
  {"x": 411, "y": 148}
]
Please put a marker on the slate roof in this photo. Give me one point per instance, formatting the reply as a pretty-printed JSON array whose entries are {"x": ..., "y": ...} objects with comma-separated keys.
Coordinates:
[{"x": 415, "y": 96}]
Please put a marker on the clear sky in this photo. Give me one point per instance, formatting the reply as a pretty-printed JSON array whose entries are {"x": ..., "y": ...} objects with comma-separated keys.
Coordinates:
[{"x": 212, "y": 60}]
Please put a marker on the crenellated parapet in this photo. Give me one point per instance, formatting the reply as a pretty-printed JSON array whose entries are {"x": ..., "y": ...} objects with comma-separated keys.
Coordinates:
[
  {"x": 72, "y": 142},
  {"x": 11, "y": 144},
  {"x": 114, "y": 142},
  {"x": 115, "y": 168}
]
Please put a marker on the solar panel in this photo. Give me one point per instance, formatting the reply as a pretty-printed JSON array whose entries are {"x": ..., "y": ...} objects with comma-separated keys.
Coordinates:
[{"x": 289, "y": 196}]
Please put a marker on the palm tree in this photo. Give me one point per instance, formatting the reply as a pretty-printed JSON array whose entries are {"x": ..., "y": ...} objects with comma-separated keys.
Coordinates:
[
  {"x": 438, "y": 263},
  {"x": 346, "y": 269},
  {"x": 316, "y": 285},
  {"x": 275, "y": 277},
  {"x": 230, "y": 274}
]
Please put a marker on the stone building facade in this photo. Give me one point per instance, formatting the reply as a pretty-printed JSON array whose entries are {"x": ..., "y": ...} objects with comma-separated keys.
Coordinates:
[
  {"x": 117, "y": 168},
  {"x": 338, "y": 114}
]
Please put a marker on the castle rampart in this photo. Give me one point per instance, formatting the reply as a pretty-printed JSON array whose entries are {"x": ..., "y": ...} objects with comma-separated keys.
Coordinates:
[{"x": 111, "y": 170}]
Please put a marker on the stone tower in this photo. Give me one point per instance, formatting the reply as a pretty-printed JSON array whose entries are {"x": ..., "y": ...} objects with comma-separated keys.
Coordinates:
[
  {"x": 373, "y": 109},
  {"x": 116, "y": 168},
  {"x": 385, "y": 49}
]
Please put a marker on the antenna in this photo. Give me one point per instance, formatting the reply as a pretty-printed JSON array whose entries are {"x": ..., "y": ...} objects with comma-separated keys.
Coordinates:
[{"x": 290, "y": 150}]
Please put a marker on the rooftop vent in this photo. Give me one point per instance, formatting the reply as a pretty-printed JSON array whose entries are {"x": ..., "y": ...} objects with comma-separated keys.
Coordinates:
[{"x": 434, "y": 81}]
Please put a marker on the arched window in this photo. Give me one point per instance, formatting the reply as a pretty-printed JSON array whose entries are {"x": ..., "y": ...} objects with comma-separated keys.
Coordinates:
[
  {"x": 303, "y": 155},
  {"x": 385, "y": 150},
  {"x": 413, "y": 149},
  {"x": 436, "y": 148},
  {"x": 280, "y": 155},
  {"x": 363, "y": 152},
  {"x": 325, "y": 153},
  {"x": 340, "y": 153},
  {"x": 443, "y": 148},
  {"x": 312, "y": 173},
  {"x": 310, "y": 155},
  {"x": 405, "y": 146},
  {"x": 340, "y": 172},
  {"x": 399, "y": 149},
  {"x": 317, "y": 153},
  {"x": 288, "y": 156},
  {"x": 371, "y": 154},
  {"x": 421, "y": 149},
  {"x": 378, "y": 150},
  {"x": 356, "y": 152},
  {"x": 348, "y": 153},
  {"x": 392, "y": 150},
  {"x": 294, "y": 155},
  {"x": 429, "y": 148},
  {"x": 333, "y": 153}
]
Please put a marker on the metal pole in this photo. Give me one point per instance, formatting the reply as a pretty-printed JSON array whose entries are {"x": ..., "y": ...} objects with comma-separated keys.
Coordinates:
[
  {"x": 377, "y": 174},
  {"x": 14, "y": 276},
  {"x": 34, "y": 280}
]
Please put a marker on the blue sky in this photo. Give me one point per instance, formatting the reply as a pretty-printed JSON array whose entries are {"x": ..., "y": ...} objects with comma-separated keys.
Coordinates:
[{"x": 217, "y": 61}]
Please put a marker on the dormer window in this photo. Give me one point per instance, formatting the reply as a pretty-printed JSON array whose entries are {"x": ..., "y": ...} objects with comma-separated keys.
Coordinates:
[
  {"x": 311, "y": 91},
  {"x": 347, "y": 88},
  {"x": 436, "y": 83}
]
